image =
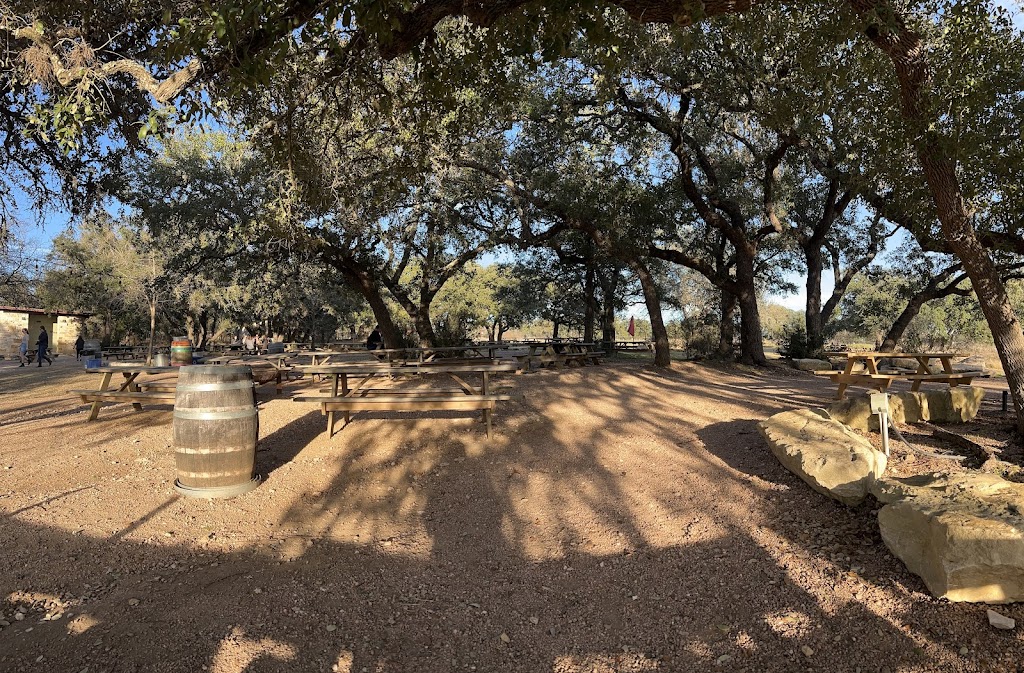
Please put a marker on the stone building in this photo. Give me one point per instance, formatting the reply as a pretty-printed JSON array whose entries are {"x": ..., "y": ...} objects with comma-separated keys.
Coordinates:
[{"x": 63, "y": 327}]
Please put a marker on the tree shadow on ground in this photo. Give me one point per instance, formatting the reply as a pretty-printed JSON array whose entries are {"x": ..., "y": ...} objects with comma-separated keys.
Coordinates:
[{"x": 425, "y": 547}]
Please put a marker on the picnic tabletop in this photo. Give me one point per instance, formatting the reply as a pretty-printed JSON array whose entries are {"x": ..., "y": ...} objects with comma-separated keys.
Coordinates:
[{"x": 873, "y": 378}]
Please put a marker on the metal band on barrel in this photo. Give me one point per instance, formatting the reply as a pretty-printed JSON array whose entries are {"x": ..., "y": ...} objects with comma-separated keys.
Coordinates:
[
  {"x": 213, "y": 451},
  {"x": 196, "y": 415},
  {"x": 209, "y": 387}
]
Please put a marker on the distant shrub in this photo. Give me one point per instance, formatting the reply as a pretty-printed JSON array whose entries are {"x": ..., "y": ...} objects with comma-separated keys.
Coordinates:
[
  {"x": 794, "y": 343},
  {"x": 703, "y": 342}
]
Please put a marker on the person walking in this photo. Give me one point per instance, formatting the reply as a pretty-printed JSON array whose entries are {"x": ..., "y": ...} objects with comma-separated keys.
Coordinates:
[
  {"x": 79, "y": 347},
  {"x": 42, "y": 344},
  {"x": 23, "y": 348}
]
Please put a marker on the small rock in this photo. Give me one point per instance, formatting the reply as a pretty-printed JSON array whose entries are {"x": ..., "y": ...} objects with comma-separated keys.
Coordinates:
[
  {"x": 4, "y": 622},
  {"x": 808, "y": 652},
  {"x": 1000, "y": 621},
  {"x": 964, "y": 651},
  {"x": 332, "y": 627},
  {"x": 18, "y": 616},
  {"x": 133, "y": 602},
  {"x": 257, "y": 590},
  {"x": 534, "y": 620},
  {"x": 505, "y": 639},
  {"x": 722, "y": 660}
]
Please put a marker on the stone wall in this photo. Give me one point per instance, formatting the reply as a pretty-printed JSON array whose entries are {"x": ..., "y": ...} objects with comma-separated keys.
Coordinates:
[
  {"x": 65, "y": 333},
  {"x": 11, "y": 324}
]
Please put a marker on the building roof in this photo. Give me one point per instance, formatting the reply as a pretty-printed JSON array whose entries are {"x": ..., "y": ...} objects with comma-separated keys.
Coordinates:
[{"x": 43, "y": 311}]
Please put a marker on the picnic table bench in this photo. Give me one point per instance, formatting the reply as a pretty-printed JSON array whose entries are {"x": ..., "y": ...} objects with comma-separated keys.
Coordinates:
[
  {"x": 359, "y": 397},
  {"x": 871, "y": 377}
]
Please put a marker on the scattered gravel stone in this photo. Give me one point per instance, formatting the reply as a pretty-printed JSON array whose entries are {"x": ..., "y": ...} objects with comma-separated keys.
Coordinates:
[
  {"x": 505, "y": 639},
  {"x": 723, "y": 660},
  {"x": 133, "y": 602},
  {"x": 1000, "y": 621},
  {"x": 808, "y": 652},
  {"x": 18, "y": 616},
  {"x": 331, "y": 627}
]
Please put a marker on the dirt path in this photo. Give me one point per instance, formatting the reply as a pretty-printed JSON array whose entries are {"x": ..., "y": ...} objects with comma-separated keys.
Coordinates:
[{"x": 621, "y": 519}]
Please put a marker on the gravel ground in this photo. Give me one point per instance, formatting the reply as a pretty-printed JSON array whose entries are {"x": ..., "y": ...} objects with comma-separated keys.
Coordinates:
[{"x": 622, "y": 518}]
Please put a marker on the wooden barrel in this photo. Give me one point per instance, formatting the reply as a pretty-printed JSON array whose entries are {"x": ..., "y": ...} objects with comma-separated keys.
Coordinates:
[
  {"x": 181, "y": 351},
  {"x": 215, "y": 431}
]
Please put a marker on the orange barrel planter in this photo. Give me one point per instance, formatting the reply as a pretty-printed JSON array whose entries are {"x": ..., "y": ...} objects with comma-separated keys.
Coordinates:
[
  {"x": 181, "y": 351},
  {"x": 215, "y": 431}
]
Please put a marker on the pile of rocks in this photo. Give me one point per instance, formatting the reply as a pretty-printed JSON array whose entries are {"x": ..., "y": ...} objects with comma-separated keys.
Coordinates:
[{"x": 963, "y": 533}]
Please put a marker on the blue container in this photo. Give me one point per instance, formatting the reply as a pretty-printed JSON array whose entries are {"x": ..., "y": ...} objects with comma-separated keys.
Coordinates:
[{"x": 90, "y": 364}]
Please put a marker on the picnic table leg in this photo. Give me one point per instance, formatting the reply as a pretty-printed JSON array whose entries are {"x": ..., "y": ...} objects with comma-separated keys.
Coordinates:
[
  {"x": 330, "y": 412},
  {"x": 344, "y": 392},
  {"x": 922, "y": 368},
  {"x": 841, "y": 392},
  {"x": 487, "y": 412},
  {"x": 134, "y": 387},
  {"x": 97, "y": 404}
]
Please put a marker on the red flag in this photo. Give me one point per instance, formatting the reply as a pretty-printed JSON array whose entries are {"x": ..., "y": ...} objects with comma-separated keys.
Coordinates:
[{"x": 632, "y": 327}]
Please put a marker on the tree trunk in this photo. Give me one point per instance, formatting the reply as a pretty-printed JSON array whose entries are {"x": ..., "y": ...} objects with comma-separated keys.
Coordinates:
[
  {"x": 812, "y": 312},
  {"x": 608, "y": 314},
  {"x": 424, "y": 327},
  {"x": 895, "y": 332},
  {"x": 152, "y": 328},
  {"x": 662, "y": 354},
  {"x": 365, "y": 286},
  {"x": 727, "y": 326},
  {"x": 589, "y": 309},
  {"x": 751, "y": 336},
  {"x": 554, "y": 332}
]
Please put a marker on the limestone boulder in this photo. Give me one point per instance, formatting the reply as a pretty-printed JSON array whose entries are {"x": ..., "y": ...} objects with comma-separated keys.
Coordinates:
[
  {"x": 854, "y": 412},
  {"x": 823, "y": 452},
  {"x": 811, "y": 364},
  {"x": 953, "y": 405},
  {"x": 950, "y": 405},
  {"x": 963, "y": 534},
  {"x": 972, "y": 364},
  {"x": 903, "y": 363}
]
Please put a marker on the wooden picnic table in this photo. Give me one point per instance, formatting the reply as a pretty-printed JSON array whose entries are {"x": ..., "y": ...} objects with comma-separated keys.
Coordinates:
[
  {"x": 279, "y": 362},
  {"x": 353, "y": 398},
  {"x": 635, "y": 346},
  {"x": 434, "y": 353},
  {"x": 123, "y": 352},
  {"x": 555, "y": 354},
  {"x": 128, "y": 391},
  {"x": 871, "y": 377}
]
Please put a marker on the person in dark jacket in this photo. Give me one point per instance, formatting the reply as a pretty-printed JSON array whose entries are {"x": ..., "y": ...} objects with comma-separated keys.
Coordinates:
[
  {"x": 42, "y": 344},
  {"x": 375, "y": 341},
  {"x": 79, "y": 347}
]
